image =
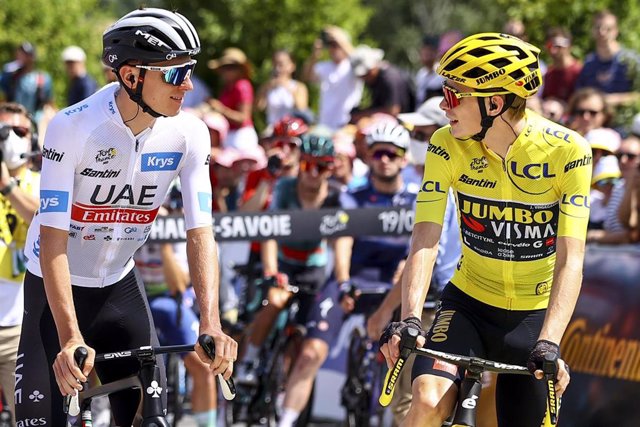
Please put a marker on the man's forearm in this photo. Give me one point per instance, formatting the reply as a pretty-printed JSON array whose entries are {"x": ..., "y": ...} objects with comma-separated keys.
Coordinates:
[
  {"x": 567, "y": 281},
  {"x": 57, "y": 283},
  {"x": 342, "y": 264},
  {"x": 202, "y": 256},
  {"x": 416, "y": 279}
]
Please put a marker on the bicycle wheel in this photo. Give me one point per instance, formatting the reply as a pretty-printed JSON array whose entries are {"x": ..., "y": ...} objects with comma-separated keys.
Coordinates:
[
  {"x": 175, "y": 396},
  {"x": 355, "y": 396}
]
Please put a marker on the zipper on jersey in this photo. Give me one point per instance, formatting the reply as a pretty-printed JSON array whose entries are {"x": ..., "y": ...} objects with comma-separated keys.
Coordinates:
[
  {"x": 507, "y": 270},
  {"x": 118, "y": 226}
]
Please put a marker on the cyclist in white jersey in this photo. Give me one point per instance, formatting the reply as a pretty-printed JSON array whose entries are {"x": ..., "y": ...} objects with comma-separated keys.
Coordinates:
[{"x": 108, "y": 162}]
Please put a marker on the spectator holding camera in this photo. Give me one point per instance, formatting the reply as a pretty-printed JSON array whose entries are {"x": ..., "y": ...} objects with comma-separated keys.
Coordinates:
[
  {"x": 282, "y": 95},
  {"x": 19, "y": 191},
  {"x": 340, "y": 90}
]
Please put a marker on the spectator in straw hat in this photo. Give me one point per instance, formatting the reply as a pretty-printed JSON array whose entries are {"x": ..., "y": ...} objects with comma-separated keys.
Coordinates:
[{"x": 235, "y": 102}]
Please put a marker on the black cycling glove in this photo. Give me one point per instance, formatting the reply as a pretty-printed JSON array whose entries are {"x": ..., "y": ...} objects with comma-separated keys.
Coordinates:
[
  {"x": 396, "y": 328},
  {"x": 538, "y": 353},
  {"x": 346, "y": 289}
]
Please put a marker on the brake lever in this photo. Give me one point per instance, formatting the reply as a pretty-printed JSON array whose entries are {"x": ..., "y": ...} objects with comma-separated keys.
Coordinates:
[
  {"x": 228, "y": 387},
  {"x": 70, "y": 405}
]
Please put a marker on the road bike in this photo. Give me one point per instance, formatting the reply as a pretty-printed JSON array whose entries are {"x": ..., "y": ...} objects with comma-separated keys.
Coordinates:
[
  {"x": 260, "y": 403},
  {"x": 469, "y": 391},
  {"x": 365, "y": 371},
  {"x": 151, "y": 413}
]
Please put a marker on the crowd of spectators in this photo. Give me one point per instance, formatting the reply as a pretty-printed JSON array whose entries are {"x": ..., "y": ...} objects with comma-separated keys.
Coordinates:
[{"x": 358, "y": 90}]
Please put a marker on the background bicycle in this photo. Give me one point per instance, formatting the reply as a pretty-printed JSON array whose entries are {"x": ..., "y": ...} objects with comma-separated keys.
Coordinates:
[{"x": 258, "y": 403}]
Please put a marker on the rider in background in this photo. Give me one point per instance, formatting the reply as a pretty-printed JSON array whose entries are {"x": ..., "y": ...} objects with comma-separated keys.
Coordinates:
[
  {"x": 522, "y": 185},
  {"x": 303, "y": 263},
  {"x": 164, "y": 270},
  {"x": 107, "y": 167},
  {"x": 375, "y": 264}
]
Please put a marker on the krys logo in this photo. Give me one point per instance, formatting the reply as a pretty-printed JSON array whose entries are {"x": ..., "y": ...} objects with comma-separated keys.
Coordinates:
[
  {"x": 53, "y": 201},
  {"x": 160, "y": 161}
]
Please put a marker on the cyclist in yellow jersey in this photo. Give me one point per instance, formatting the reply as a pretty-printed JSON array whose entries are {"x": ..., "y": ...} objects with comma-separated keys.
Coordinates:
[{"x": 522, "y": 186}]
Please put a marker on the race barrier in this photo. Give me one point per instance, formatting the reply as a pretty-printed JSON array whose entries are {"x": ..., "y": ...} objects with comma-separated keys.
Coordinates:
[{"x": 294, "y": 225}]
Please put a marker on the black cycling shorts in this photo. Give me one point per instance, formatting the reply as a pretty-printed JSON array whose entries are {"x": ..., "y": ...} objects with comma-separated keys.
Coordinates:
[
  {"x": 112, "y": 318},
  {"x": 466, "y": 326}
]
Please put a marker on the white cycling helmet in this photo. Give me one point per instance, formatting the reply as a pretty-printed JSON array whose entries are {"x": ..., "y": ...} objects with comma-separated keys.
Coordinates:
[
  {"x": 149, "y": 35},
  {"x": 390, "y": 133}
]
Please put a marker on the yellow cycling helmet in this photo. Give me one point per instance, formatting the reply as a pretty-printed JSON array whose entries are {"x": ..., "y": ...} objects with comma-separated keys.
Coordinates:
[{"x": 490, "y": 61}]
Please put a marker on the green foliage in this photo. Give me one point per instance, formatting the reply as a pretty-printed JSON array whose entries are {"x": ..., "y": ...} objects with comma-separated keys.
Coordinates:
[
  {"x": 398, "y": 26},
  {"x": 259, "y": 27},
  {"x": 52, "y": 25}
]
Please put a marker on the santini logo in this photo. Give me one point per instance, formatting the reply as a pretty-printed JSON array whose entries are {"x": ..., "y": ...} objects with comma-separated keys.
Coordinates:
[
  {"x": 52, "y": 154},
  {"x": 160, "y": 161},
  {"x": 53, "y": 201}
]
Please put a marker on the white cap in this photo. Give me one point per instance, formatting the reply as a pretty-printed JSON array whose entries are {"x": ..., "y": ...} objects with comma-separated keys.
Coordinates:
[
  {"x": 364, "y": 59},
  {"x": 607, "y": 167},
  {"x": 428, "y": 114},
  {"x": 73, "y": 54},
  {"x": 604, "y": 139}
]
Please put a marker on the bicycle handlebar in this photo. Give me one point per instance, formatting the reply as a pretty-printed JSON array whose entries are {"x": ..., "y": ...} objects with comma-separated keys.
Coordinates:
[
  {"x": 71, "y": 404},
  {"x": 408, "y": 346}
]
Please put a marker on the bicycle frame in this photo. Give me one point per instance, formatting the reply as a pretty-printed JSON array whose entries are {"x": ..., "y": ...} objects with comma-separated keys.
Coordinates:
[
  {"x": 258, "y": 403},
  {"x": 469, "y": 392},
  {"x": 147, "y": 380},
  {"x": 364, "y": 376}
]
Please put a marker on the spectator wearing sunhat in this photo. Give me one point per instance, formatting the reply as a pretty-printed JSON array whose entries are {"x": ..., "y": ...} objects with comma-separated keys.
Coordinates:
[
  {"x": 604, "y": 142},
  {"x": 422, "y": 124},
  {"x": 340, "y": 90},
  {"x": 390, "y": 88},
  {"x": 235, "y": 102},
  {"x": 614, "y": 229},
  {"x": 606, "y": 173},
  {"x": 81, "y": 84}
]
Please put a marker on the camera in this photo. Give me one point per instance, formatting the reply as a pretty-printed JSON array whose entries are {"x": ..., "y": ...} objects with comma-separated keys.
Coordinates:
[
  {"x": 324, "y": 36},
  {"x": 274, "y": 164}
]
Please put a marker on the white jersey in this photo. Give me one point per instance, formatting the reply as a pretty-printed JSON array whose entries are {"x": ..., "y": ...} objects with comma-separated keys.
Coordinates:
[{"x": 104, "y": 185}]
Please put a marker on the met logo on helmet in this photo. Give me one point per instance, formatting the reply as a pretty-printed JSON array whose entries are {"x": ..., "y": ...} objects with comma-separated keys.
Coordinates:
[
  {"x": 160, "y": 161},
  {"x": 152, "y": 40}
]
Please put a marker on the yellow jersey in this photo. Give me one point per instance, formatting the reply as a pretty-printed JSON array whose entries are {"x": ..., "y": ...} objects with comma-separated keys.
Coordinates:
[{"x": 511, "y": 210}]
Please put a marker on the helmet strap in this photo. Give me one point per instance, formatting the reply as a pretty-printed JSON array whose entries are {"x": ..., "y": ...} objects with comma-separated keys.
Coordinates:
[
  {"x": 486, "y": 121},
  {"x": 136, "y": 96}
]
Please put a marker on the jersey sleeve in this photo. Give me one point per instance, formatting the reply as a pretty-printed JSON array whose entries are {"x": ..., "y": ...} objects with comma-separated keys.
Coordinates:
[
  {"x": 59, "y": 162},
  {"x": 194, "y": 179},
  {"x": 431, "y": 202},
  {"x": 575, "y": 185}
]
